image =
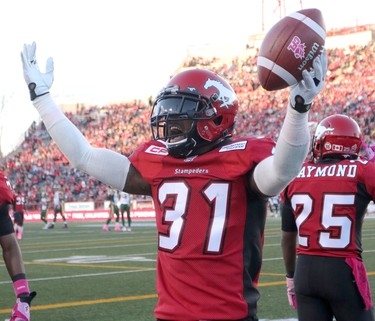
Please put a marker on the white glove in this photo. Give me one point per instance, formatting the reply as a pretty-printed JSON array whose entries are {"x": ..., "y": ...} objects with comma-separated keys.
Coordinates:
[
  {"x": 370, "y": 153},
  {"x": 38, "y": 83},
  {"x": 290, "y": 292},
  {"x": 303, "y": 93}
]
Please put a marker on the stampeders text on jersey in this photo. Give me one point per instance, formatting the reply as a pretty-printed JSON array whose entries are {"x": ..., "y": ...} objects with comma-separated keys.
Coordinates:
[{"x": 191, "y": 171}]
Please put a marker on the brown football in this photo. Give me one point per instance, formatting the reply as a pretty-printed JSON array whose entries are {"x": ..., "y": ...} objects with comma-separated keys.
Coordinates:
[{"x": 290, "y": 47}]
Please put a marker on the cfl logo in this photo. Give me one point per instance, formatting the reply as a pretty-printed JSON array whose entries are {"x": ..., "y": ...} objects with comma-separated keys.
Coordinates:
[{"x": 297, "y": 47}]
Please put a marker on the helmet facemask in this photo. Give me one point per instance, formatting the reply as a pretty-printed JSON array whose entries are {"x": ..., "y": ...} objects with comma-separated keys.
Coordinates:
[{"x": 174, "y": 120}]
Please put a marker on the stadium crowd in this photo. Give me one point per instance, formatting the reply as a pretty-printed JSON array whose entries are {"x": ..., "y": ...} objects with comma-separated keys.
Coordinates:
[{"x": 39, "y": 168}]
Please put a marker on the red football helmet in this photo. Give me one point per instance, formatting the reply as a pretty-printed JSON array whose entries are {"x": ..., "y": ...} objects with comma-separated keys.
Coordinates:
[
  {"x": 196, "y": 109},
  {"x": 336, "y": 136}
]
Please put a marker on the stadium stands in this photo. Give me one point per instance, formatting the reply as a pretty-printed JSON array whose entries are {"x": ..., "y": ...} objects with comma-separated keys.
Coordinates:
[{"x": 39, "y": 167}]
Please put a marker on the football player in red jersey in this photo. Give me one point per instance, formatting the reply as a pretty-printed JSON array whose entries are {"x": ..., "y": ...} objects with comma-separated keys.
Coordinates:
[
  {"x": 12, "y": 254},
  {"x": 325, "y": 206},
  {"x": 18, "y": 212},
  {"x": 210, "y": 191}
]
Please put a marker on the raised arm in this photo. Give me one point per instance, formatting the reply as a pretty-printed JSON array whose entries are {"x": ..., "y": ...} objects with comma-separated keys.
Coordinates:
[
  {"x": 109, "y": 167},
  {"x": 274, "y": 173}
]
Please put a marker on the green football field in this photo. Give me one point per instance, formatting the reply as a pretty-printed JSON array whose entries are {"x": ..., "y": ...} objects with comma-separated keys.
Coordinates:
[{"x": 84, "y": 273}]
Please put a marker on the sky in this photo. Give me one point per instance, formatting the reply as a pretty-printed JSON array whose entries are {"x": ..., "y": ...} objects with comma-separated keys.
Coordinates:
[{"x": 111, "y": 50}]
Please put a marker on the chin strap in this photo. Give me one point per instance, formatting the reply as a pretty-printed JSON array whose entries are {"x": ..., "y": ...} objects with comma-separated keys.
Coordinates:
[
  {"x": 197, "y": 146},
  {"x": 182, "y": 150}
]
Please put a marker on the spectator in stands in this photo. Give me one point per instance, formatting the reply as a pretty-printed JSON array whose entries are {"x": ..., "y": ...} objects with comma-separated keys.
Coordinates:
[
  {"x": 260, "y": 113},
  {"x": 325, "y": 206},
  {"x": 209, "y": 191},
  {"x": 12, "y": 255}
]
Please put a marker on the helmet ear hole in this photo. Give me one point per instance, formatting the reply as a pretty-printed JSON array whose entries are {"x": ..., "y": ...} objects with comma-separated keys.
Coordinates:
[
  {"x": 217, "y": 121},
  {"x": 337, "y": 137}
]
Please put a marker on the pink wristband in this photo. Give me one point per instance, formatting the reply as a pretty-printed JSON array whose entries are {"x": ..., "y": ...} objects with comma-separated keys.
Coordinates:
[{"x": 21, "y": 286}]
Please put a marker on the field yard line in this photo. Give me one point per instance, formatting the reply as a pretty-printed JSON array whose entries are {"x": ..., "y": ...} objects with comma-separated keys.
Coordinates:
[
  {"x": 76, "y": 242},
  {"x": 126, "y": 237},
  {"x": 85, "y": 248},
  {"x": 273, "y": 259},
  {"x": 272, "y": 244},
  {"x": 83, "y": 275},
  {"x": 101, "y": 301},
  {"x": 261, "y": 284},
  {"x": 88, "y": 302},
  {"x": 76, "y": 258},
  {"x": 95, "y": 266}
]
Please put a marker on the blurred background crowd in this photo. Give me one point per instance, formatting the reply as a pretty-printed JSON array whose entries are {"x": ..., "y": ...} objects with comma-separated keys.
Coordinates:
[{"x": 39, "y": 168}]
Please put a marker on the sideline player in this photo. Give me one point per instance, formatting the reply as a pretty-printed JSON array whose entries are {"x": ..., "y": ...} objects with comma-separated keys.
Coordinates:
[
  {"x": 125, "y": 207},
  {"x": 113, "y": 211},
  {"x": 19, "y": 212},
  {"x": 58, "y": 208},
  {"x": 44, "y": 210}
]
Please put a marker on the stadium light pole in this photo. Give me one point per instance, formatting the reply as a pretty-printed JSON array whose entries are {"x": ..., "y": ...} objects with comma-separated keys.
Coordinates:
[{"x": 262, "y": 15}]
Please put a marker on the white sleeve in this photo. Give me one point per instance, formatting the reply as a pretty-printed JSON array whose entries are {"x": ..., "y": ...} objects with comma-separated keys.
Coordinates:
[
  {"x": 274, "y": 173},
  {"x": 109, "y": 167}
]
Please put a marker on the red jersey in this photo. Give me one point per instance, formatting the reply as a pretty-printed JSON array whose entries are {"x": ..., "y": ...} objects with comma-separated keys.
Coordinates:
[
  {"x": 6, "y": 197},
  {"x": 209, "y": 226},
  {"x": 6, "y": 193},
  {"x": 19, "y": 204},
  {"x": 326, "y": 203}
]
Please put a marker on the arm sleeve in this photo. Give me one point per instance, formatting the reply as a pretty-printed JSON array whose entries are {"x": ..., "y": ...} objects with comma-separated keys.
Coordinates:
[
  {"x": 274, "y": 173},
  {"x": 109, "y": 167}
]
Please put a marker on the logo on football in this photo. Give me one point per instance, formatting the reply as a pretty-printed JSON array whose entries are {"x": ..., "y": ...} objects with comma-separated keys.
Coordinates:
[{"x": 289, "y": 47}]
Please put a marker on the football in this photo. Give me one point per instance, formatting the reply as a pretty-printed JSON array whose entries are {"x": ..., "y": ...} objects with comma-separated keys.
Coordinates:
[{"x": 289, "y": 47}]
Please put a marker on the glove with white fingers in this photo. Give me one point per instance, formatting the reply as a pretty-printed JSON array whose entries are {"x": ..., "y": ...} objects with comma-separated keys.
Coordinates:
[
  {"x": 303, "y": 93},
  {"x": 38, "y": 83},
  {"x": 290, "y": 292},
  {"x": 21, "y": 310},
  {"x": 370, "y": 153}
]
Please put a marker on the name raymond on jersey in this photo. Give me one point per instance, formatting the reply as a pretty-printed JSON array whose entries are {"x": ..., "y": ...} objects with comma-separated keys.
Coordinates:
[
  {"x": 189, "y": 171},
  {"x": 339, "y": 170}
]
